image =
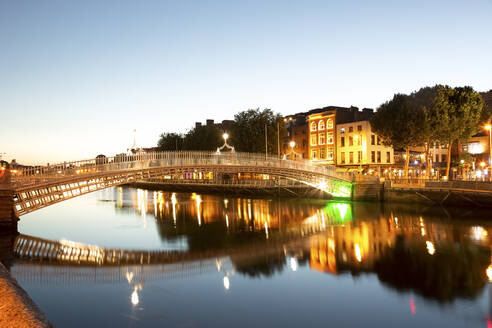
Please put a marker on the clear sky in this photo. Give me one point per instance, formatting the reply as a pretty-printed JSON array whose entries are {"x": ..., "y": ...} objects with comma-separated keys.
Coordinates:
[{"x": 76, "y": 77}]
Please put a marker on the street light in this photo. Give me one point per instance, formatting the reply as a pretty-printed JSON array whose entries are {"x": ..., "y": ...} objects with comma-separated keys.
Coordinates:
[
  {"x": 292, "y": 153},
  {"x": 488, "y": 127},
  {"x": 356, "y": 137},
  {"x": 225, "y": 145}
]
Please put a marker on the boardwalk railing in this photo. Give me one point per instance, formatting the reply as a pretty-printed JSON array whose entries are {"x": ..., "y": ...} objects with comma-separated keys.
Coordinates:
[{"x": 116, "y": 163}]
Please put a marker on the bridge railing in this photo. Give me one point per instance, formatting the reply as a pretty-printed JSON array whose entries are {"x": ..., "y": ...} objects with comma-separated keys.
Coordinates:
[{"x": 162, "y": 159}]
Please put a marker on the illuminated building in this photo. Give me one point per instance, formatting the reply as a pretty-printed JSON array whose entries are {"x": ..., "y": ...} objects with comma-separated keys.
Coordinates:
[
  {"x": 321, "y": 127},
  {"x": 357, "y": 146}
]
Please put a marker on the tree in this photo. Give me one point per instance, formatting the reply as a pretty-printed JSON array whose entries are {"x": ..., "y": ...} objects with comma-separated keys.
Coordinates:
[
  {"x": 248, "y": 130},
  {"x": 170, "y": 141},
  {"x": 422, "y": 102},
  {"x": 461, "y": 112},
  {"x": 397, "y": 123},
  {"x": 207, "y": 137}
]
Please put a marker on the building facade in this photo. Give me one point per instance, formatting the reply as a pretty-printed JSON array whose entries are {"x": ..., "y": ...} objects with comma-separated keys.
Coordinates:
[
  {"x": 322, "y": 137},
  {"x": 357, "y": 146}
]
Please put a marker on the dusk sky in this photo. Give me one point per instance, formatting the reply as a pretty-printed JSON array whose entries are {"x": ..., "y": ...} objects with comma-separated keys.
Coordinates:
[{"x": 76, "y": 77}]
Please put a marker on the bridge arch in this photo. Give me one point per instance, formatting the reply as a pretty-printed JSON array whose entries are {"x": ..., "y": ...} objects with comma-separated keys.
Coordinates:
[{"x": 38, "y": 187}]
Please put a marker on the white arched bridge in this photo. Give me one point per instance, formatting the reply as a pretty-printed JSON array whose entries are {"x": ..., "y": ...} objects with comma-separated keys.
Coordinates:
[{"x": 37, "y": 187}]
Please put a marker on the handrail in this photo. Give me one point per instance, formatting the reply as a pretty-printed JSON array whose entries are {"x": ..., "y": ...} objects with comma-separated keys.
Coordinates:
[{"x": 162, "y": 159}]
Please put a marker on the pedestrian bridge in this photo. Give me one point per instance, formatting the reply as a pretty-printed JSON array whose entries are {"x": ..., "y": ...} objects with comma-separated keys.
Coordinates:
[{"x": 41, "y": 186}]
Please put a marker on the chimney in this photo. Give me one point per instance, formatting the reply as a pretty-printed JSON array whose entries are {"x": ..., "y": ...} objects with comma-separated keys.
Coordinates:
[
  {"x": 198, "y": 125},
  {"x": 210, "y": 122}
]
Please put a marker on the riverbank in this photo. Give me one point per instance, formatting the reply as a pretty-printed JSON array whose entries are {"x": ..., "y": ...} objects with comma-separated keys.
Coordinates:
[{"x": 17, "y": 309}]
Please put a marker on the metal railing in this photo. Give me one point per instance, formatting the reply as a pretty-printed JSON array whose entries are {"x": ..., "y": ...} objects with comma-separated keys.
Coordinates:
[
  {"x": 259, "y": 183},
  {"x": 165, "y": 159}
]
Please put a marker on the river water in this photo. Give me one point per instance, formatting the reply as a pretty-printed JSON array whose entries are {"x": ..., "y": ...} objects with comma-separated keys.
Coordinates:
[{"x": 129, "y": 257}]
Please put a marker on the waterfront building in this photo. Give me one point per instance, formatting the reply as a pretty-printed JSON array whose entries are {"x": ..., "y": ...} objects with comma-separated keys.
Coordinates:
[
  {"x": 321, "y": 127},
  {"x": 358, "y": 147}
]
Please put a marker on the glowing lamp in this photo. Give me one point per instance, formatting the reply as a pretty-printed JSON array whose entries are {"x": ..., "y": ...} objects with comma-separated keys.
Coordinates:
[
  {"x": 489, "y": 272},
  {"x": 225, "y": 136},
  {"x": 292, "y": 144}
]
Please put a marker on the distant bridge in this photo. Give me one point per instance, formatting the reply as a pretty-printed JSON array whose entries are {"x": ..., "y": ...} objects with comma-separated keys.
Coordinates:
[{"x": 38, "y": 187}]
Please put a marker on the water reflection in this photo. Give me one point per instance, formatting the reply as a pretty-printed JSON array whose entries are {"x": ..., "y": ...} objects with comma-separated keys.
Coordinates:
[{"x": 434, "y": 254}]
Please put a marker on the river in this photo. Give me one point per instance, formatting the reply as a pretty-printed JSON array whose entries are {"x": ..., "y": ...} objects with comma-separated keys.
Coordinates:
[{"x": 128, "y": 257}]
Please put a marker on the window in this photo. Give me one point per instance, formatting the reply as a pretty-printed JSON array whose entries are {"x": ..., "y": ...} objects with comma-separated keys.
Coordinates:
[
  {"x": 331, "y": 154},
  {"x": 373, "y": 156},
  {"x": 321, "y": 138},
  {"x": 437, "y": 158},
  {"x": 313, "y": 154},
  {"x": 329, "y": 124},
  {"x": 379, "y": 156},
  {"x": 358, "y": 139},
  {"x": 304, "y": 142},
  {"x": 351, "y": 157},
  {"x": 342, "y": 142},
  {"x": 313, "y": 139},
  {"x": 329, "y": 138},
  {"x": 359, "y": 156},
  {"x": 342, "y": 157},
  {"x": 321, "y": 125},
  {"x": 351, "y": 129},
  {"x": 359, "y": 127},
  {"x": 388, "y": 157},
  {"x": 322, "y": 153},
  {"x": 313, "y": 126},
  {"x": 351, "y": 141},
  {"x": 342, "y": 130},
  {"x": 373, "y": 139},
  {"x": 443, "y": 158},
  {"x": 379, "y": 141}
]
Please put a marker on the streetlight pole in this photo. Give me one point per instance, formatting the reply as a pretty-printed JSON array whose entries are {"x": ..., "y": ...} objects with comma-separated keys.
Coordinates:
[
  {"x": 488, "y": 127},
  {"x": 225, "y": 145}
]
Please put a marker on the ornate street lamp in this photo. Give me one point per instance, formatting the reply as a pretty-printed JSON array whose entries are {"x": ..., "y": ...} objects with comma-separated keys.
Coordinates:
[
  {"x": 225, "y": 145},
  {"x": 292, "y": 144}
]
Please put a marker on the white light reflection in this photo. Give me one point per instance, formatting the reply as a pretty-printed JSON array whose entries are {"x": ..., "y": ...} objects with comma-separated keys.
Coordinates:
[
  {"x": 266, "y": 229},
  {"x": 174, "y": 202},
  {"x": 358, "y": 254},
  {"x": 227, "y": 283},
  {"x": 134, "y": 298},
  {"x": 430, "y": 247},
  {"x": 293, "y": 264}
]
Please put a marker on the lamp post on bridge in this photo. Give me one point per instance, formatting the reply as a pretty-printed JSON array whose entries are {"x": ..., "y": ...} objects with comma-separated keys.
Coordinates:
[
  {"x": 225, "y": 145},
  {"x": 292, "y": 144}
]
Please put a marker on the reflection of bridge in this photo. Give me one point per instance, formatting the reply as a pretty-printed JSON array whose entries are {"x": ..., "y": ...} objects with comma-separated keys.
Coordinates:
[
  {"x": 71, "y": 261},
  {"x": 38, "y": 187}
]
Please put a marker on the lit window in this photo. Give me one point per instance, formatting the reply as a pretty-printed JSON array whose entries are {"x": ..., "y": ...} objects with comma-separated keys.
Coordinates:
[
  {"x": 329, "y": 138},
  {"x": 329, "y": 124},
  {"x": 313, "y": 154},
  {"x": 342, "y": 130},
  {"x": 330, "y": 154},
  {"x": 313, "y": 140},
  {"x": 321, "y": 125},
  {"x": 321, "y": 139},
  {"x": 313, "y": 126},
  {"x": 322, "y": 153},
  {"x": 342, "y": 157}
]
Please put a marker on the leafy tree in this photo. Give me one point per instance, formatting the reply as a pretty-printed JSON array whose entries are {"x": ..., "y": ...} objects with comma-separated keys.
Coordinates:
[
  {"x": 461, "y": 112},
  {"x": 207, "y": 137},
  {"x": 422, "y": 102},
  {"x": 248, "y": 130},
  {"x": 170, "y": 141},
  {"x": 397, "y": 123}
]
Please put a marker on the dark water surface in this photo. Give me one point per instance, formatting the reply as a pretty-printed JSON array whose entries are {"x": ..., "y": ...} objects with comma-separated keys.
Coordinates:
[{"x": 135, "y": 258}]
